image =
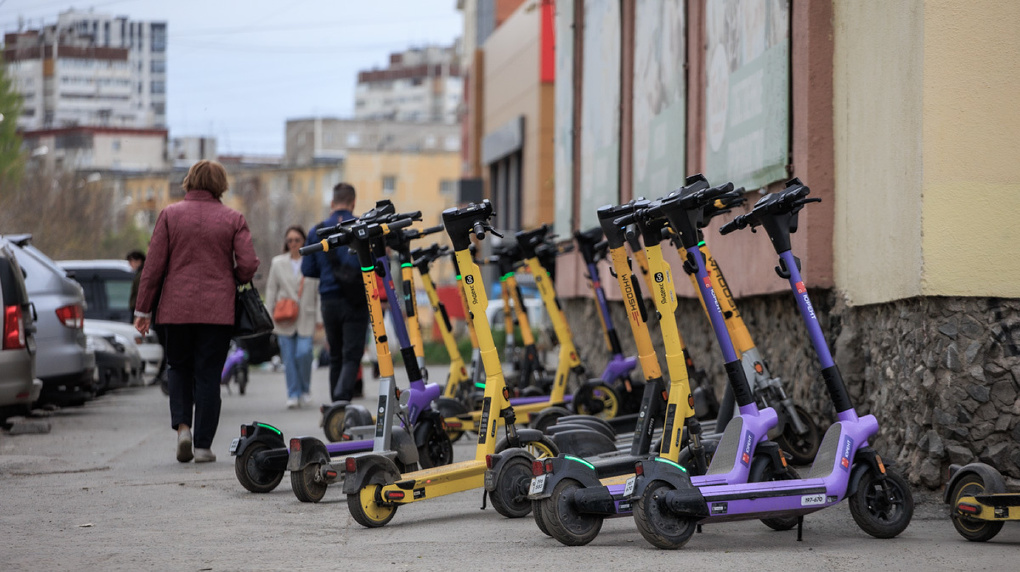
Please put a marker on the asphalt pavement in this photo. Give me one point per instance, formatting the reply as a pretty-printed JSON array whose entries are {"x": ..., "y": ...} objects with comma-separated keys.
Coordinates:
[{"x": 103, "y": 491}]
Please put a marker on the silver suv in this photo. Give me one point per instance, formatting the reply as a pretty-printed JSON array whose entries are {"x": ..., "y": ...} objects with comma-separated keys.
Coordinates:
[
  {"x": 63, "y": 362},
  {"x": 18, "y": 385}
]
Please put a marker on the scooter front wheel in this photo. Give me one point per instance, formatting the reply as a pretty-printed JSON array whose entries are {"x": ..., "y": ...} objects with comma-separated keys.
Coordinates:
[
  {"x": 882, "y": 507},
  {"x": 655, "y": 522},
  {"x": 366, "y": 511},
  {"x": 562, "y": 520},
  {"x": 307, "y": 484},
  {"x": 253, "y": 477},
  {"x": 510, "y": 498},
  {"x": 973, "y": 529},
  {"x": 437, "y": 450},
  {"x": 598, "y": 399},
  {"x": 333, "y": 425}
]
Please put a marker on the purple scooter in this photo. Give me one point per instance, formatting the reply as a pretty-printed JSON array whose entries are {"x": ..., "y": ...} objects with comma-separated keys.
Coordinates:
[
  {"x": 236, "y": 368},
  {"x": 668, "y": 506},
  {"x": 262, "y": 456}
]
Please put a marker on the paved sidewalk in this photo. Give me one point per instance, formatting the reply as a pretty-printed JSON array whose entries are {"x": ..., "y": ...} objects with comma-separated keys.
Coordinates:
[{"x": 103, "y": 491}]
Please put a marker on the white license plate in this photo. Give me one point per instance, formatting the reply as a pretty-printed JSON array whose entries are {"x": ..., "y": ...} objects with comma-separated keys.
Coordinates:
[
  {"x": 233, "y": 445},
  {"x": 629, "y": 489},
  {"x": 489, "y": 481},
  {"x": 537, "y": 485}
]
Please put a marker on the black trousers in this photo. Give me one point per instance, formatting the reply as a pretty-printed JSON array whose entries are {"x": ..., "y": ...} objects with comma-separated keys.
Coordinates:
[
  {"x": 195, "y": 354},
  {"x": 346, "y": 326}
]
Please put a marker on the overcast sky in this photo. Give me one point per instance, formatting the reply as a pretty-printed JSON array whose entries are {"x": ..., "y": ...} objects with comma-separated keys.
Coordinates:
[{"x": 238, "y": 69}]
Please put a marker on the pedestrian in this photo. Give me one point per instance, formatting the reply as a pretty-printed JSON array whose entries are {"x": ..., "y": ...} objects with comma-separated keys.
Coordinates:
[
  {"x": 343, "y": 302},
  {"x": 289, "y": 288},
  {"x": 136, "y": 258},
  {"x": 200, "y": 248}
]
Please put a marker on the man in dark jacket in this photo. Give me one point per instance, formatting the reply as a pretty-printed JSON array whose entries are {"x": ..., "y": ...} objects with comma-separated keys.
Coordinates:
[{"x": 344, "y": 307}]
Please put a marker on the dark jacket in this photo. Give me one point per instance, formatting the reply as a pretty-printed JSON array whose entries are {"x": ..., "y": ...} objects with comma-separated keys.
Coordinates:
[
  {"x": 202, "y": 245},
  {"x": 320, "y": 266}
]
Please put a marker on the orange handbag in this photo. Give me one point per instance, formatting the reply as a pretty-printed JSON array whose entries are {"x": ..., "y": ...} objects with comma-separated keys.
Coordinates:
[{"x": 286, "y": 309}]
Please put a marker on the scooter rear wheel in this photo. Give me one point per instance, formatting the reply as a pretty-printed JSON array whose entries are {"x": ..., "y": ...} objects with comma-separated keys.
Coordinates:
[
  {"x": 449, "y": 407},
  {"x": 437, "y": 450},
  {"x": 253, "y": 477},
  {"x": 305, "y": 486},
  {"x": 562, "y": 520},
  {"x": 656, "y": 524},
  {"x": 510, "y": 498},
  {"x": 536, "y": 511},
  {"x": 597, "y": 399},
  {"x": 802, "y": 448},
  {"x": 882, "y": 508},
  {"x": 333, "y": 425},
  {"x": 973, "y": 529},
  {"x": 365, "y": 511}
]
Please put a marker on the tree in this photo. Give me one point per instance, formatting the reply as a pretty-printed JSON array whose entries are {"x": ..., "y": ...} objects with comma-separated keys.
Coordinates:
[{"x": 11, "y": 156}]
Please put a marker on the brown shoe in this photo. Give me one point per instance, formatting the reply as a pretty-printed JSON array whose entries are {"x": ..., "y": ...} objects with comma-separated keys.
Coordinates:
[{"x": 184, "y": 446}]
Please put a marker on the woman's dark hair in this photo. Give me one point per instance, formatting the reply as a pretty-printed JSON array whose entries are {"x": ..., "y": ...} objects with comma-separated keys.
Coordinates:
[
  {"x": 206, "y": 176},
  {"x": 295, "y": 228}
]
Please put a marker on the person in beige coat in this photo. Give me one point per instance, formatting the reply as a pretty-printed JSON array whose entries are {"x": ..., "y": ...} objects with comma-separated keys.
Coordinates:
[{"x": 294, "y": 335}]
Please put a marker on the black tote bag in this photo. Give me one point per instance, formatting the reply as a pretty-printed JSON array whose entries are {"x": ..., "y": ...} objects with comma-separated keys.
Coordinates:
[{"x": 251, "y": 318}]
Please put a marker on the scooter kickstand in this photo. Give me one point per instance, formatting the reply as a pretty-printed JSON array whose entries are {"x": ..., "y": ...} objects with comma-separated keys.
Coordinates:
[
  {"x": 699, "y": 529},
  {"x": 800, "y": 528},
  {"x": 484, "y": 499}
]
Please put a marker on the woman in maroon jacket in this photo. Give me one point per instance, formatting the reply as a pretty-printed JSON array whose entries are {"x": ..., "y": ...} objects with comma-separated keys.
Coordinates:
[{"x": 198, "y": 248}]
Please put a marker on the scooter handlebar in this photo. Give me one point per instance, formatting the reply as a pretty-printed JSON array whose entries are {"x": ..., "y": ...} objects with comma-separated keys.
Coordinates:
[{"x": 311, "y": 249}]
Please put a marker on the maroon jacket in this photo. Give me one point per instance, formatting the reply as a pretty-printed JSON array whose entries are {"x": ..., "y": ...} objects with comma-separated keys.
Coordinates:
[{"x": 205, "y": 240}]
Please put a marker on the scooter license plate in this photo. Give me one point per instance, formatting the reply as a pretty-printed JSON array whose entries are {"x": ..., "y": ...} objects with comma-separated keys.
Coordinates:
[
  {"x": 233, "y": 445},
  {"x": 629, "y": 489},
  {"x": 537, "y": 485},
  {"x": 490, "y": 479}
]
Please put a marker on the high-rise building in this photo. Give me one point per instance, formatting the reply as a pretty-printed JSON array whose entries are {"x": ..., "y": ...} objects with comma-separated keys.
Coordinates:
[
  {"x": 90, "y": 69},
  {"x": 420, "y": 84}
]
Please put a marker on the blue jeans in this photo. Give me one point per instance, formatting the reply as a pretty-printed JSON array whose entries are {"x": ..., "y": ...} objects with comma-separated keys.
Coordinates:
[{"x": 296, "y": 353}]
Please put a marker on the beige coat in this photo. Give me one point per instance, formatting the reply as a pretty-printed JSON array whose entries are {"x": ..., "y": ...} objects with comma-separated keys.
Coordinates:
[{"x": 283, "y": 283}]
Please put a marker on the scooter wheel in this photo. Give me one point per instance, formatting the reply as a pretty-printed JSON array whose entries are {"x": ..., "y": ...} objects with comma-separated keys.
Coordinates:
[
  {"x": 973, "y": 529},
  {"x": 437, "y": 450},
  {"x": 536, "y": 511},
  {"x": 597, "y": 399},
  {"x": 307, "y": 483},
  {"x": 656, "y": 524},
  {"x": 769, "y": 474},
  {"x": 546, "y": 417},
  {"x": 882, "y": 507},
  {"x": 449, "y": 407},
  {"x": 686, "y": 458},
  {"x": 333, "y": 425},
  {"x": 241, "y": 375},
  {"x": 510, "y": 498},
  {"x": 365, "y": 511},
  {"x": 562, "y": 520},
  {"x": 253, "y": 477},
  {"x": 539, "y": 449},
  {"x": 802, "y": 448}
]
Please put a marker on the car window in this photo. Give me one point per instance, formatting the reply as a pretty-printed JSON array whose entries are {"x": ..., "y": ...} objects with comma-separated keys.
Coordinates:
[{"x": 118, "y": 293}]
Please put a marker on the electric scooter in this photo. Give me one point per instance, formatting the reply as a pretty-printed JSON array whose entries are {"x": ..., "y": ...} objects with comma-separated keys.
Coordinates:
[
  {"x": 235, "y": 367},
  {"x": 668, "y": 506},
  {"x": 375, "y": 486},
  {"x": 979, "y": 503},
  {"x": 262, "y": 456},
  {"x": 574, "y": 514}
]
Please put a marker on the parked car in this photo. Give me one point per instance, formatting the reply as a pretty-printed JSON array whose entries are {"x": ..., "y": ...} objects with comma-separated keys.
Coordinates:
[
  {"x": 118, "y": 363},
  {"x": 18, "y": 385},
  {"x": 63, "y": 362},
  {"x": 107, "y": 287}
]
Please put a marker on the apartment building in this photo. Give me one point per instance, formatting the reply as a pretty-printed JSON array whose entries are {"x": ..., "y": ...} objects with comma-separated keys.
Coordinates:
[{"x": 420, "y": 84}]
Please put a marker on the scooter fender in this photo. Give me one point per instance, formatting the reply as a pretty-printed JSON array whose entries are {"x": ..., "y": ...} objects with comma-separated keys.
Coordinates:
[
  {"x": 766, "y": 453},
  {"x": 992, "y": 478},
  {"x": 685, "y": 499},
  {"x": 865, "y": 461},
  {"x": 259, "y": 432},
  {"x": 372, "y": 469},
  {"x": 523, "y": 436},
  {"x": 566, "y": 467},
  {"x": 404, "y": 444},
  {"x": 305, "y": 451},
  {"x": 327, "y": 408},
  {"x": 499, "y": 460},
  {"x": 426, "y": 419}
]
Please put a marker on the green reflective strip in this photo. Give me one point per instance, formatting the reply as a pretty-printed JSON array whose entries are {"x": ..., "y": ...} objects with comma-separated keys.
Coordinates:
[
  {"x": 702, "y": 243},
  {"x": 367, "y": 268},
  {"x": 661, "y": 460},
  {"x": 582, "y": 461},
  {"x": 271, "y": 428},
  {"x": 406, "y": 265},
  {"x": 457, "y": 277},
  {"x": 480, "y": 385},
  {"x": 507, "y": 275}
]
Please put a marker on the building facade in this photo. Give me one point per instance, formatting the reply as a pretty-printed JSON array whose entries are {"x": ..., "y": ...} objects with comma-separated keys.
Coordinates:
[
  {"x": 90, "y": 69},
  {"x": 420, "y": 84},
  {"x": 86, "y": 148},
  {"x": 329, "y": 138}
]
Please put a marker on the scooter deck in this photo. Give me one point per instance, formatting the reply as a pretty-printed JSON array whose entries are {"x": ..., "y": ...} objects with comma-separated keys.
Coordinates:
[
  {"x": 439, "y": 481},
  {"x": 522, "y": 412},
  {"x": 995, "y": 507}
]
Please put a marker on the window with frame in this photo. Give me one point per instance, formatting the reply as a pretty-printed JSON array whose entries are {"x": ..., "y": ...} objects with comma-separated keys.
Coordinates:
[{"x": 389, "y": 184}]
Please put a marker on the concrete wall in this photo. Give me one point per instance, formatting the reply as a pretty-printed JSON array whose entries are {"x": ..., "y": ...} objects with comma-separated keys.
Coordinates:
[{"x": 927, "y": 177}]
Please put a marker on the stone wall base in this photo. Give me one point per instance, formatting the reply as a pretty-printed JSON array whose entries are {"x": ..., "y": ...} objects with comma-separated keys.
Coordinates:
[{"x": 941, "y": 374}]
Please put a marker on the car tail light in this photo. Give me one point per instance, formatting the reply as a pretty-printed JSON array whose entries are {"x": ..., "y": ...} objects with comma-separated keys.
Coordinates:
[
  {"x": 14, "y": 328},
  {"x": 72, "y": 316},
  {"x": 537, "y": 468}
]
